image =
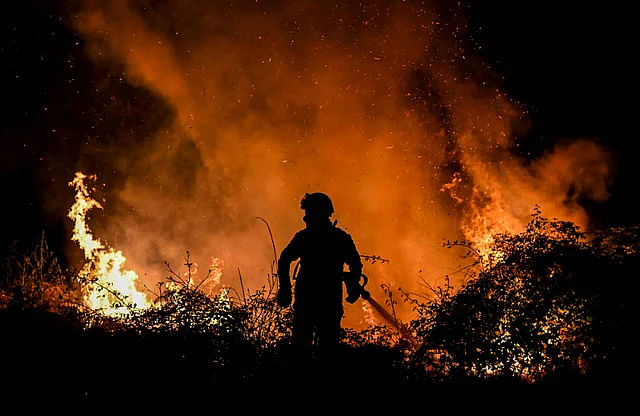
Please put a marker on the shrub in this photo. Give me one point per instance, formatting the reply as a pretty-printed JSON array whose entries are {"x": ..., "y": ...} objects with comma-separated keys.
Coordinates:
[
  {"x": 549, "y": 300},
  {"x": 35, "y": 280}
]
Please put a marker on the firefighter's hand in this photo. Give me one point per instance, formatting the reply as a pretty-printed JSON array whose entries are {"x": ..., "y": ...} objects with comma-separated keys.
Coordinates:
[
  {"x": 353, "y": 291},
  {"x": 284, "y": 297}
]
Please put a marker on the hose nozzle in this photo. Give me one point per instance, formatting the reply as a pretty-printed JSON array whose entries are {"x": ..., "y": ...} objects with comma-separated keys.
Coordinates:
[{"x": 355, "y": 290}]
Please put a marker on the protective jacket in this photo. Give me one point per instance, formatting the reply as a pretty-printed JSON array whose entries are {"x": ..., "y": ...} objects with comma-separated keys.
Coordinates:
[{"x": 323, "y": 251}]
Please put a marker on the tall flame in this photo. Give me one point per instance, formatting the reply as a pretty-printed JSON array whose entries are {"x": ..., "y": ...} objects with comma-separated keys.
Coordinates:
[{"x": 112, "y": 289}]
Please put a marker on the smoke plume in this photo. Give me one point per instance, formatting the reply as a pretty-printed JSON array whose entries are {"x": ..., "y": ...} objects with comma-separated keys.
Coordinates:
[{"x": 382, "y": 105}]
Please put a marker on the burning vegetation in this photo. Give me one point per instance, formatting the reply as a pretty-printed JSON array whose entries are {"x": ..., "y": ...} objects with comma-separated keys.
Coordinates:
[
  {"x": 108, "y": 284},
  {"x": 384, "y": 105},
  {"x": 549, "y": 303},
  {"x": 543, "y": 302},
  {"x": 248, "y": 105}
]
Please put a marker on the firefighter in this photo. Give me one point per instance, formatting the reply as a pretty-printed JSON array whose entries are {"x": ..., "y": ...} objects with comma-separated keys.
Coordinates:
[{"x": 323, "y": 250}]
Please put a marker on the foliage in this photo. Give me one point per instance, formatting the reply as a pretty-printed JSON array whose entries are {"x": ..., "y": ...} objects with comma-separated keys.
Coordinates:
[
  {"x": 35, "y": 280},
  {"x": 231, "y": 334},
  {"x": 550, "y": 300}
]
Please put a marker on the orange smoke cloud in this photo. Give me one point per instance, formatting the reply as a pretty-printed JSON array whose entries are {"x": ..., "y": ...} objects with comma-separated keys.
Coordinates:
[{"x": 380, "y": 106}]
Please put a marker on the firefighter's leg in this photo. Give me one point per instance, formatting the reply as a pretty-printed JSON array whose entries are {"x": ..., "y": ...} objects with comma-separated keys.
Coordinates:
[
  {"x": 329, "y": 333},
  {"x": 302, "y": 334}
]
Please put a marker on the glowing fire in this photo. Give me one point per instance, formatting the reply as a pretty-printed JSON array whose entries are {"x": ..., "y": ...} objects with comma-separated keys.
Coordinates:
[
  {"x": 112, "y": 289},
  {"x": 384, "y": 106}
]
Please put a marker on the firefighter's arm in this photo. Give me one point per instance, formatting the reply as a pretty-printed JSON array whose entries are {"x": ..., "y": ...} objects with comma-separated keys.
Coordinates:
[
  {"x": 353, "y": 259},
  {"x": 352, "y": 279},
  {"x": 289, "y": 254}
]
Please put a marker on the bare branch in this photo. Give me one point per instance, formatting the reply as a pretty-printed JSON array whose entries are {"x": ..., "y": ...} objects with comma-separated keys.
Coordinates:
[
  {"x": 273, "y": 244},
  {"x": 242, "y": 286}
]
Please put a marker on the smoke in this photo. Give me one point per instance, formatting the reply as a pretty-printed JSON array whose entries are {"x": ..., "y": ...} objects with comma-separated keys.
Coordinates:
[{"x": 383, "y": 106}]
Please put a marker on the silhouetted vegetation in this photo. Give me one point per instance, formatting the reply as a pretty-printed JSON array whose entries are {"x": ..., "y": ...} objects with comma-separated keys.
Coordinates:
[
  {"x": 547, "y": 302},
  {"x": 551, "y": 303}
]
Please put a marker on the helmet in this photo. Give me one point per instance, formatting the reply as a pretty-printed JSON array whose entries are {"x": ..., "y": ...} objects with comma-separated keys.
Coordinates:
[{"x": 318, "y": 203}]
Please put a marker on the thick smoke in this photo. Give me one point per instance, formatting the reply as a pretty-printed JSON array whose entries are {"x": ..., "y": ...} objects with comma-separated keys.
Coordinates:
[{"x": 382, "y": 106}]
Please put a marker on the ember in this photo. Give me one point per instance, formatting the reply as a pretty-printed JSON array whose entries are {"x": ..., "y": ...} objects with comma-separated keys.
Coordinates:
[{"x": 385, "y": 108}]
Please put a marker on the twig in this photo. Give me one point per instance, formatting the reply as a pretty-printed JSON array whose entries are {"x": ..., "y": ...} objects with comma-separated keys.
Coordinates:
[
  {"x": 229, "y": 289},
  {"x": 427, "y": 285},
  {"x": 151, "y": 291},
  {"x": 119, "y": 297},
  {"x": 273, "y": 244},
  {"x": 387, "y": 289},
  {"x": 242, "y": 286},
  {"x": 174, "y": 273},
  {"x": 374, "y": 258},
  {"x": 203, "y": 280},
  {"x": 408, "y": 295},
  {"x": 188, "y": 263},
  {"x": 464, "y": 268},
  {"x": 472, "y": 251}
]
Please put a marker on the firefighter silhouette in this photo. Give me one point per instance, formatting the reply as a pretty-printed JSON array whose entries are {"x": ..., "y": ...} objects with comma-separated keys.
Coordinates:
[{"x": 323, "y": 250}]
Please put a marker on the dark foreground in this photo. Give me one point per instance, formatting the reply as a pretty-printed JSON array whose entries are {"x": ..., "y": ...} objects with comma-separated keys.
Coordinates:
[{"x": 44, "y": 356}]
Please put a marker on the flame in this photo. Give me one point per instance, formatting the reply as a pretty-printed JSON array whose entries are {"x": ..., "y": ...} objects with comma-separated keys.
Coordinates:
[
  {"x": 112, "y": 289},
  {"x": 207, "y": 283},
  {"x": 485, "y": 221},
  {"x": 369, "y": 317},
  {"x": 215, "y": 270},
  {"x": 377, "y": 104}
]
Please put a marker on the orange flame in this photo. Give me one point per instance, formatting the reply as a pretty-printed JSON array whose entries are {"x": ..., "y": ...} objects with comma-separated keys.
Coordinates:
[
  {"x": 112, "y": 289},
  {"x": 377, "y": 104}
]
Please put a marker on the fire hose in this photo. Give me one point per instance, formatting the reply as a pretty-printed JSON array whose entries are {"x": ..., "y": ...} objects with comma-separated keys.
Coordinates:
[
  {"x": 354, "y": 293},
  {"x": 389, "y": 318}
]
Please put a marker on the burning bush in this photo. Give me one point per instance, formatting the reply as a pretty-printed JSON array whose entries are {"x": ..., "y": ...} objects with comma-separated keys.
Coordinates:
[
  {"x": 34, "y": 279},
  {"x": 548, "y": 301},
  {"x": 184, "y": 334},
  {"x": 551, "y": 301}
]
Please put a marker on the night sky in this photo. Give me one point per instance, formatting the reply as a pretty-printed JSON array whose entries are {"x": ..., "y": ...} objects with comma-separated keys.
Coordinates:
[{"x": 569, "y": 66}]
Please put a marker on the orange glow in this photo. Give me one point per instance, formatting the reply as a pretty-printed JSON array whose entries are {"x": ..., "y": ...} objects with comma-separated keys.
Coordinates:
[
  {"x": 112, "y": 287},
  {"x": 385, "y": 108}
]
